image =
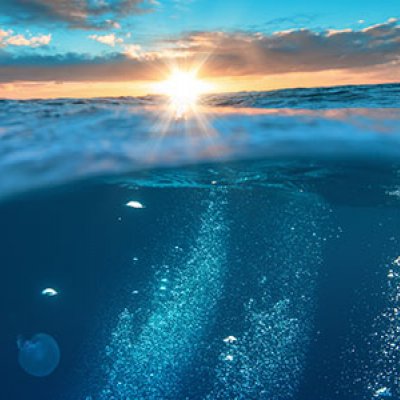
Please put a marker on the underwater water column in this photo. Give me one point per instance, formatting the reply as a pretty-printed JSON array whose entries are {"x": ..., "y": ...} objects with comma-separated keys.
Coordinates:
[
  {"x": 150, "y": 365},
  {"x": 384, "y": 378},
  {"x": 267, "y": 357}
]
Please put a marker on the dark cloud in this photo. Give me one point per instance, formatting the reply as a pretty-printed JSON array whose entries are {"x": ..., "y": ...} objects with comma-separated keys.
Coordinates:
[
  {"x": 76, "y": 13},
  {"x": 75, "y": 67},
  {"x": 229, "y": 54}
]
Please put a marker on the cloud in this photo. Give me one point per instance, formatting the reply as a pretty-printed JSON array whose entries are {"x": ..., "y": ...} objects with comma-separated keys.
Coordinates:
[
  {"x": 75, "y": 68},
  {"x": 133, "y": 51},
  {"x": 110, "y": 39},
  {"x": 7, "y": 38},
  {"x": 296, "y": 20},
  {"x": 3, "y": 34},
  {"x": 76, "y": 13},
  {"x": 113, "y": 24},
  {"x": 234, "y": 54},
  {"x": 299, "y": 50}
]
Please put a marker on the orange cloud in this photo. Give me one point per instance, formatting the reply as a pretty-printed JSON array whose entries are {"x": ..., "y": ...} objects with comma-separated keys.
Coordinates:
[{"x": 301, "y": 50}]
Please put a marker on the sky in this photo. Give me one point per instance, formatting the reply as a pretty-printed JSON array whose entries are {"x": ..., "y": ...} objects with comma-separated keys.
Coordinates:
[{"x": 91, "y": 48}]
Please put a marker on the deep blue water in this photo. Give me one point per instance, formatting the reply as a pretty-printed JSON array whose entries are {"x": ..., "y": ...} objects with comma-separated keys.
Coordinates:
[{"x": 264, "y": 264}]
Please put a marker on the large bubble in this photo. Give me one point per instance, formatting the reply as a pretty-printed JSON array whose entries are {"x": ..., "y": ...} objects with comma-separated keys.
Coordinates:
[{"x": 38, "y": 356}]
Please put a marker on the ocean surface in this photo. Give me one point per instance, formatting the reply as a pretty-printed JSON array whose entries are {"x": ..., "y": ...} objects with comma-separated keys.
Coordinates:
[{"x": 249, "y": 250}]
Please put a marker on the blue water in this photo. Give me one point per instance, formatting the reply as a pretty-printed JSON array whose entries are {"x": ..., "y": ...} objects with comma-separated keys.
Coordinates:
[{"x": 261, "y": 262}]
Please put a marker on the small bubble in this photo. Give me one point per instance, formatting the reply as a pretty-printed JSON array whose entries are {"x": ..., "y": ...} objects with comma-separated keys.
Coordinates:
[
  {"x": 230, "y": 339},
  {"x": 49, "y": 292},
  {"x": 383, "y": 392},
  {"x": 135, "y": 204}
]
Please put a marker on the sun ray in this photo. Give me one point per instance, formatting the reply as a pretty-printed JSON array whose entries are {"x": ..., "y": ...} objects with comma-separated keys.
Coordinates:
[
  {"x": 184, "y": 115},
  {"x": 183, "y": 89}
]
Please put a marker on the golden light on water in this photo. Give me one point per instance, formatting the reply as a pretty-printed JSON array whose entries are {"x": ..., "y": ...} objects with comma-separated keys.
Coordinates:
[{"x": 183, "y": 89}]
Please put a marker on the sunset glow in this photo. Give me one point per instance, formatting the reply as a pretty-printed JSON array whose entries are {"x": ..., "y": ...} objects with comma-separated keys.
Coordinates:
[
  {"x": 183, "y": 89},
  {"x": 121, "y": 48}
]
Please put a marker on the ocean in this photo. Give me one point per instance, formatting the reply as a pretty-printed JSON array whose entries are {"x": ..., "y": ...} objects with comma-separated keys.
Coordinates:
[{"x": 250, "y": 250}]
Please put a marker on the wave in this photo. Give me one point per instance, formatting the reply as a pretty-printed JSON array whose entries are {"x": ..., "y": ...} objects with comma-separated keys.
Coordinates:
[
  {"x": 347, "y": 96},
  {"x": 49, "y": 142},
  {"x": 370, "y": 96}
]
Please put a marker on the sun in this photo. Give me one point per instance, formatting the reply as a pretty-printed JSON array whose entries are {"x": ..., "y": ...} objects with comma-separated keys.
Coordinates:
[{"x": 183, "y": 89}]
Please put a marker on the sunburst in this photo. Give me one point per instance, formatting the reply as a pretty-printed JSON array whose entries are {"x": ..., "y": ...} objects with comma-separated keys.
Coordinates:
[{"x": 183, "y": 89}]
